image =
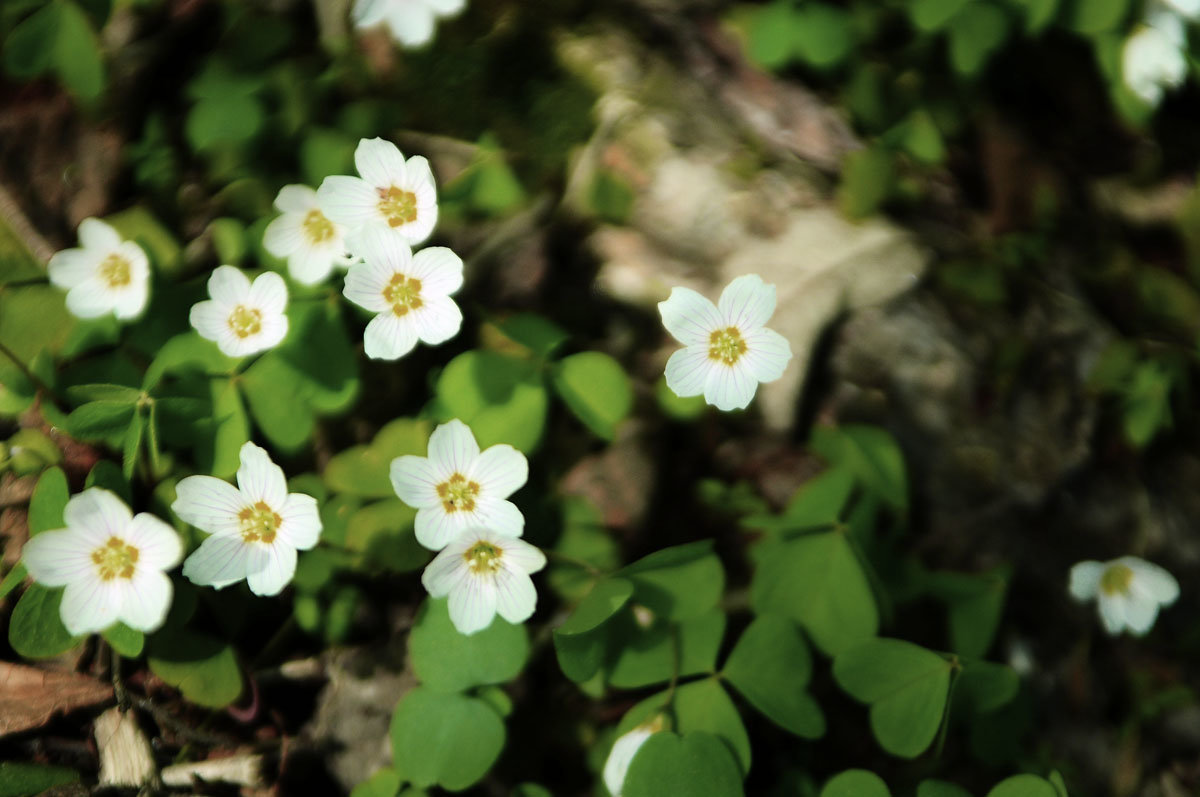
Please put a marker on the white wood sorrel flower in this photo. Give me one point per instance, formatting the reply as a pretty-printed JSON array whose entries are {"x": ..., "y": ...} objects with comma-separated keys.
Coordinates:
[
  {"x": 410, "y": 22},
  {"x": 485, "y": 573},
  {"x": 410, "y": 293},
  {"x": 256, "y": 527},
  {"x": 311, "y": 243},
  {"x": 727, "y": 350},
  {"x": 105, "y": 275},
  {"x": 1128, "y": 590},
  {"x": 242, "y": 317},
  {"x": 391, "y": 193},
  {"x": 457, "y": 487},
  {"x": 110, "y": 561}
]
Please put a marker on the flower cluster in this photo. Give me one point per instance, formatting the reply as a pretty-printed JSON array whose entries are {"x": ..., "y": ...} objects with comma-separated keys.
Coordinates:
[
  {"x": 460, "y": 495},
  {"x": 1154, "y": 58}
]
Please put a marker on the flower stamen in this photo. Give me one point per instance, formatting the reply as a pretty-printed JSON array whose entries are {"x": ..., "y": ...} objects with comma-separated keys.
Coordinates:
[
  {"x": 1116, "y": 580},
  {"x": 398, "y": 206},
  {"x": 726, "y": 345},
  {"x": 317, "y": 227},
  {"x": 245, "y": 321},
  {"x": 115, "y": 271},
  {"x": 483, "y": 557},
  {"x": 403, "y": 294},
  {"x": 115, "y": 559},
  {"x": 259, "y": 523},
  {"x": 457, "y": 493}
]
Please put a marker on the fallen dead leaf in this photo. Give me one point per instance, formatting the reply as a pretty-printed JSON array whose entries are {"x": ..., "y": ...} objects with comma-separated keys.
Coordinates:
[{"x": 29, "y": 696}]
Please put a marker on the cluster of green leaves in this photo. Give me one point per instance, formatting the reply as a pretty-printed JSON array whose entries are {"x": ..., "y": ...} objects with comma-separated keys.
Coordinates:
[
  {"x": 861, "y": 783},
  {"x": 59, "y": 37},
  {"x": 901, "y": 69}
]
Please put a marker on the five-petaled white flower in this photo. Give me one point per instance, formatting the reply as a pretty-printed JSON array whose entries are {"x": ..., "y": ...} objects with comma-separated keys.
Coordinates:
[
  {"x": 457, "y": 487},
  {"x": 484, "y": 572},
  {"x": 105, "y": 275},
  {"x": 256, "y": 527},
  {"x": 616, "y": 767},
  {"x": 242, "y": 317},
  {"x": 110, "y": 561},
  {"x": 728, "y": 350},
  {"x": 1154, "y": 57},
  {"x": 1129, "y": 591},
  {"x": 410, "y": 293},
  {"x": 310, "y": 242},
  {"x": 391, "y": 193},
  {"x": 409, "y": 21}
]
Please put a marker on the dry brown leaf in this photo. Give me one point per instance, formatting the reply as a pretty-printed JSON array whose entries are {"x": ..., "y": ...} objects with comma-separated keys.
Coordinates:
[{"x": 29, "y": 696}]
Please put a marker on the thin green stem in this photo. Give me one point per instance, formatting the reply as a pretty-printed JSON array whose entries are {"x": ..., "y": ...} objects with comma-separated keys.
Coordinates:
[{"x": 28, "y": 374}]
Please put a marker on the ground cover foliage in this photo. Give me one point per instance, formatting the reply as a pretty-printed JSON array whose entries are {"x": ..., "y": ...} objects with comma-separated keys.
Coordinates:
[{"x": 856, "y": 587}]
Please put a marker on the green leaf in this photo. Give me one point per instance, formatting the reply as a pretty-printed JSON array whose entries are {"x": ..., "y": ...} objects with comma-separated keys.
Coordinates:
[
  {"x": 77, "y": 53},
  {"x": 107, "y": 474},
  {"x": 1060, "y": 785},
  {"x": 1097, "y": 16},
  {"x": 596, "y": 389},
  {"x": 125, "y": 640},
  {"x": 538, "y": 334},
  {"x": 139, "y": 224},
  {"x": 642, "y": 656},
  {"x": 220, "y": 450},
  {"x": 47, "y": 502},
  {"x": 679, "y": 408},
  {"x": 19, "y": 779},
  {"x": 100, "y": 420},
  {"x": 318, "y": 351},
  {"x": 384, "y": 783},
  {"x": 922, "y": 139},
  {"x": 974, "y": 34},
  {"x": 221, "y": 121},
  {"x": 705, "y": 706},
  {"x": 906, "y": 687},
  {"x": 383, "y": 533},
  {"x": 35, "y": 629},
  {"x": 678, "y": 582},
  {"x": 818, "y": 504},
  {"x": 985, "y": 686},
  {"x": 770, "y": 666},
  {"x": 931, "y": 15},
  {"x": 611, "y": 197},
  {"x": 769, "y": 40},
  {"x": 940, "y": 788},
  {"x": 867, "y": 179},
  {"x": 871, "y": 454},
  {"x": 601, "y": 603},
  {"x": 855, "y": 783},
  {"x": 501, "y": 398},
  {"x": 13, "y": 579},
  {"x": 1038, "y": 14},
  {"x": 1023, "y": 786},
  {"x": 133, "y": 444},
  {"x": 448, "y": 661},
  {"x": 694, "y": 765},
  {"x": 184, "y": 353},
  {"x": 102, "y": 392},
  {"x": 584, "y": 539},
  {"x": 444, "y": 739},
  {"x": 31, "y": 451},
  {"x": 273, "y": 394},
  {"x": 363, "y": 470},
  {"x": 975, "y": 605},
  {"x": 1147, "y": 405},
  {"x": 823, "y": 35},
  {"x": 30, "y": 47},
  {"x": 817, "y": 581},
  {"x": 204, "y": 668}
]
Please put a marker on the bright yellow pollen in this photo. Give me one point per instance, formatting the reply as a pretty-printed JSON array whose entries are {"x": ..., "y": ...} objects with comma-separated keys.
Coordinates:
[
  {"x": 458, "y": 493},
  {"x": 116, "y": 271},
  {"x": 1116, "y": 580},
  {"x": 245, "y": 321},
  {"x": 115, "y": 559},
  {"x": 403, "y": 293},
  {"x": 259, "y": 523},
  {"x": 398, "y": 206},
  {"x": 726, "y": 345},
  {"x": 317, "y": 227},
  {"x": 483, "y": 557}
]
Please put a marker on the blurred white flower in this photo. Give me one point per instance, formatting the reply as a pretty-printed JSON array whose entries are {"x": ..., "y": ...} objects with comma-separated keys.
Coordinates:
[
  {"x": 1186, "y": 8},
  {"x": 104, "y": 275},
  {"x": 110, "y": 561},
  {"x": 485, "y": 573},
  {"x": 255, "y": 527},
  {"x": 390, "y": 193},
  {"x": 311, "y": 243},
  {"x": 616, "y": 767},
  {"x": 410, "y": 293},
  {"x": 728, "y": 350},
  {"x": 1153, "y": 57},
  {"x": 1129, "y": 591},
  {"x": 457, "y": 487},
  {"x": 243, "y": 318},
  {"x": 409, "y": 21}
]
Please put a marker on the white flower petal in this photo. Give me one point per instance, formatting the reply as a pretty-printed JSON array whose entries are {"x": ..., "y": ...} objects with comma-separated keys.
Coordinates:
[
  {"x": 473, "y": 605},
  {"x": 439, "y": 270},
  {"x": 385, "y": 249},
  {"x": 1140, "y": 614},
  {"x": 729, "y": 387},
  {"x": 499, "y": 516},
  {"x": 380, "y": 163},
  {"x": 95, "y": 234},
  {"x": 689, "y": 317},
  {"x": 284, "y": 235},
  {"x": 446, "y": 572},
  {"x": 437, "y": 320},
  {"x": 688, "y": 369},
  {"x": 209, "y": 319},
  {"x": 259, "y": 478},
  {"x": 70, "y": 267},
  {"x": 131, "y": 300},
  {"x": 616, "y": 766},
  {"x": 270, "y": 568},
  {"x": 158, "y": 545},
  {"x": 228, "y": 286},
  {"x": 767, "y": 355},
  {"x": 447, "y": 8},
  {"x": 90, "y": 299},
  {"x": 296, "y": 199},
  {"x": 747, "y": 303},
  {"x": 1112, "y": 612},
  {"x": 91, "y": 605},
  {"x": 98, "y": 514},
  {"x": 369, "y": 12},
  {"x": 209, "y": 504},
  {"x": 301, "y": 527},
  {"x": 411, "y": 24},
  {"x": 268, "y": 293},
  {"x": 274, "y": 330},
  {"x": 452, "y": 448},
  {"x": 520, "y": 556},
  {"x": 422, "y": 226},
  {"x": 57, "y": 558},
  {"x": 388, "y": 337},
  {"x": 1085, "y": 580},
  {"x": 1152, "y": 580},
  {"x": 218, "y": 562},
  {"x": 146, "y": 600},
  {"x": 500, "y": 470},
  {"x": 516, "y": 597},
  {"x": 435, "y": 528},
  {"x": 415, "y": 480},
  {"x": 364, "y": 286},
  {"x": 312, "y": 265},
  {"x": 349, "y": 201}
]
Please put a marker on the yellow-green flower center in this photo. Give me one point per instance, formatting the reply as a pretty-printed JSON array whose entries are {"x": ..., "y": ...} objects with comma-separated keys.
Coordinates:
[
  {"x": 483, "y": 557},
  {"x": 398, "y": 206},
  {"x": 1116, "y": 580},
  {"x": 115, "y": 271},
  {"x": 259, "y": 523},
  {"x": 458, "y": 493},
  {"x": 115, "y": 559},
  {"x": 317, "y": 227},
  {"x": 403, "y": 293},
  {"x": 726, "y": 345},
  {"x": 245, "y": 321}
]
